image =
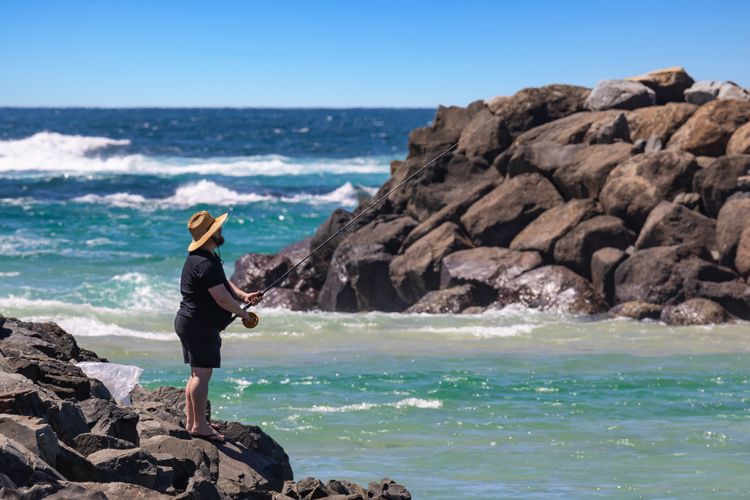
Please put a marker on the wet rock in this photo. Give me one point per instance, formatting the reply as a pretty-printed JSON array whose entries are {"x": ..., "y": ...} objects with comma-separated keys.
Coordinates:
[
  {"x": 486, "y": 135},
  {"x": 575, "y": 249},
  {"x": 717, "y": 182},
  {"x": 358, "y": 279},
  {"x": 544, "y": 231},
  {"x": 620, "y": 94},
  {"x": 604, "y": 262},
  {"x": 532, "y": 107},
  {"x": 387, "y": 489},
  {"x": 21, "y": 466},
  {"x": 497, "y": 217},
  {"x": 669, "y": 84},
  {"x": 135, "y": 466},
  {"x": 636, "y": 310},
  {"x": 446, "y": 301},
  {"x": 636, "y": 186},
  {"x": 732, "y": 220},
  {"x": 88, "y": 443},
  {"x": 33, "y": 433},
  {"x": 110, "y": 419},
  {"x": 486, "y": 268},
  {"x": 739, "y": 143},
  {"x": 696, "y": 311},
  {"x": 417, "y": 270},
  {"x": 552, "y": 288},
  {"x": 659, "y": 122},
  {"x": 672, "y": 224},
  {"x": 707, "y": 132}
]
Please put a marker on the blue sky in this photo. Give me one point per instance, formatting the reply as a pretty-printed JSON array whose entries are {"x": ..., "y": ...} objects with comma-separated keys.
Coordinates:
[{"x": 350, "y": 53}]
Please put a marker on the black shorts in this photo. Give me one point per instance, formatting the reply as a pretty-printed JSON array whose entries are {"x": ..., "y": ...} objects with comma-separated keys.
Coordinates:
[{"x": 201, "y": 343}]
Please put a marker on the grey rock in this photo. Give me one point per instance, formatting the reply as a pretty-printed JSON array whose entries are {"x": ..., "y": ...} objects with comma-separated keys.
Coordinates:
[
  {"x": 33, "y": 433},
  {"x": 135, "y": 466},
  {"x": 621, "y": 94},
  {"x": 110, "y": 419},
  {"x": 21, "y": 465},
  {"x": 486, "y": 268},
  {"x": 88, "y": 443}
]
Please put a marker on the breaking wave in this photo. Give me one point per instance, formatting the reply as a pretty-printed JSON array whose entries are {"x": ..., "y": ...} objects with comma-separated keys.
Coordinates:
[{"x": 47, "y": 153}]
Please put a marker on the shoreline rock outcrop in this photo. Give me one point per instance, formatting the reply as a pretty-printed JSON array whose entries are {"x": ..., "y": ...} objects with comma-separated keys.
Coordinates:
[
  {"x": 634, "y": 192},
  {"x": 62, "y": 435}
]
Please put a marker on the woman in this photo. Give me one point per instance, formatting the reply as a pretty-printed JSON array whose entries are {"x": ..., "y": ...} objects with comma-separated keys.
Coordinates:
[{"x": 208, "y": 302}]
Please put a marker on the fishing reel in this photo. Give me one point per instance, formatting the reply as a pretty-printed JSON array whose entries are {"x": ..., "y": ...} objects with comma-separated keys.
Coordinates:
[{"x": 252, "y": 321}]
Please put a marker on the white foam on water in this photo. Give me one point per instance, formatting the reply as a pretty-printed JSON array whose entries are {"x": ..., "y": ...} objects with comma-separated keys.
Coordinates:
[
  {"x": 210, "y": 193},
  {"x": 81, "y": 326},
  {"x": 9, "y": 274},
  {"x": 482, "y": 331},
  {"x": 404, "y": 403},
  {"x": 59, "y": 154}
]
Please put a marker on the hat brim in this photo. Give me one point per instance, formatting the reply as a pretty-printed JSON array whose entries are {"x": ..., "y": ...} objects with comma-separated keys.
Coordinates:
[{"x": 196, "y": 244}]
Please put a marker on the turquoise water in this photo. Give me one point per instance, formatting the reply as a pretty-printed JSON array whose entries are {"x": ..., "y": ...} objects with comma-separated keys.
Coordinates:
[{"x": 512, "y": 403}]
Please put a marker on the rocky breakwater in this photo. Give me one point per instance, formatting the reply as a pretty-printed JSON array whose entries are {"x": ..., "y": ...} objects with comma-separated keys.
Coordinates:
[
  {"x": 631, "y": 198},
  {"x": 63, "y": 436}
]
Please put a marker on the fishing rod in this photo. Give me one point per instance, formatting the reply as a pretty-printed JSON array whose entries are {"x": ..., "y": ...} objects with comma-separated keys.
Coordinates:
[{"x": 254, "y": 319}]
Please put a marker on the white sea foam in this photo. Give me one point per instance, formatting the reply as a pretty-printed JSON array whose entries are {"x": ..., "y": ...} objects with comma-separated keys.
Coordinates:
[
  {"x": 50, "y": 152},
  {"x": 482, "y": 331},
  {"x": 9, "y": 274},
  {"x": 81, "y": 326},
  {"x": 404, "y": 403},
  {"x": 210, "y": 193}
]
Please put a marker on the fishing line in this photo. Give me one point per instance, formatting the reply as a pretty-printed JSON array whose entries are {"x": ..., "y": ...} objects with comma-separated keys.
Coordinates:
[{"x": 254, "y": 317}]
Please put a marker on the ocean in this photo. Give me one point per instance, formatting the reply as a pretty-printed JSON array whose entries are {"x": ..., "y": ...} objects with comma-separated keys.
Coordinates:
[{"x": 508, "y": 404}]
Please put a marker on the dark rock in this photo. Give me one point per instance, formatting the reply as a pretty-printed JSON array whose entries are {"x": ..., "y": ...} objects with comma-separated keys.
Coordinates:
[
  {"x": 20, "y": 465},
  {"x": 620, "y": 94},
  {"x": 444, "y": 131},
  {"x": 358, "y": 279},
  {"x": 544, "y": 231},
  {"x": 688, "y": 200},
  {"x": 722, "y": 286},
  {"x": 149, "y": 426},
  {"x": 242, "y": 471},
  {"x": 135, "y": 466},
  {"x": 66, "y": 419},
  {"x": 636, "y": 310},
  {"x": 387, "y": 489},
  {"x": 695, "y": 312},
  {"x": 742, "y": 254},
  {"x": 487, "y": 268},
  {"x": 717, "y": 182},
  {"x": 658, "y": 122},
  {"x": 306, "y": 488},
  {"x": 707, "y": 132},
  {"x": 346, "y": 488},
  {"x": 542, "y": 157},
  {"x": 200, "y": 488},
  {"x": 110, "y": 419},
  {"x": 486, "y": 135},
  {"x": 669, "y": 84},
  {"x": 497, "y": 217},
  {"x": 58, "y": 343},
  {"x": 604, "y": 262},
  {"x": 552, "y": 288},
  {"x": 253, "y": 438},
  {"x": 74, "y": 466},
  {"x": 733, "y": 218},
  {"x": 389, "y": 231},
  {"x": 186, "y": 457},
  {"x": 99, "y": 390},
  {"x": 446, "y": 301},
  {"x": 636, "y": 186},
  {"x": 586, "y": 175},
  {"x": 575, "y": 249},
  {"x": 417, "y": 270},
  {"x": 33, "y": 433},
  {"x": 61, "y": 377},
  {"x": 532, "y": 107},
  {"x": 672, "y": 224},
  {"x": 88, "y": 443},
  {"x": 739, "y": 143}
]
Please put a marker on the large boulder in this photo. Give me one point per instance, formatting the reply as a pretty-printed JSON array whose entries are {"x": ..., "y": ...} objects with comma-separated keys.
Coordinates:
[
  {"x": 417, "y": 270},
  {"x": 659, "y": 122},
  {"x": 51, "y": 340},
  {"x": 110, "y": 419},
  {"x": 636, "y": 310},
  {"x": 719, "y": 181},
  {"x": 586, "y": 175},
  {"x": 742, "y": 254},
  {"x": 604, "y": 262},
  {"x": 186, "y": 457},
  {"x": 552, "y": 288},
  {"x": 61, "y": 377},
  {"x": 582, "y": 127},
  {"x": 707, "y": 90},
  {"x": 542, "y": 157},
  {"x": 695, "y": 311},
  {"x": 669, "y": 84},
  {"x": 497, "y": 217},
  {"x": 358, "y": 279},
  {"x": 636, "y": 186},
  {"x": 544, "y": 231},
  {"x": 707, "y": 132},
  {"x": 673, "y": 224},
  {"x": 451, "y": 300},
  {"x": 242, "y": 472},
  {"x": 486, "y": 268},
  {"x": 133, "y": 465},
  {"x": 89, "y": 443},
  {"x": 574, "y": 250},
  {"x": 620, "y": 94},
  {"x": 253, "y": 438},
  {"x": 532, "y": 107},
  {"x": 739, "y": 143},
  {"x": 33, "y": 433},
  {"x": 22, "y": 466},
  {"x": 486, "y": 135},
  {"x": 387, "y": 489},
  {"x": 444, "y": 131},
  {"x": 733, "y": 219},
  {"x": 388, "y": 231}
]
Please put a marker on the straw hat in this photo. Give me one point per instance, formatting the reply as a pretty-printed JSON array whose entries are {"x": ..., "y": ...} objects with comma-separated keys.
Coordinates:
[{"x": 202, "y": 226}]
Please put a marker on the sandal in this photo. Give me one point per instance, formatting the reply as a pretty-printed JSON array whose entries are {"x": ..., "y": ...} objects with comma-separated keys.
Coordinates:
[{"x": 215, "y": 437}]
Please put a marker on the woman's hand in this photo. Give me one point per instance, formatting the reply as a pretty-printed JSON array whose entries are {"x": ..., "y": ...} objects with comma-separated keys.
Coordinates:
[{"x": 252, "y": 298}]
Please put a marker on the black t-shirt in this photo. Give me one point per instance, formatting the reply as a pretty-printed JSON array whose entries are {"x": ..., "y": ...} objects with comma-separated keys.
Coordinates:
[{"x": 203, "y": 270}]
